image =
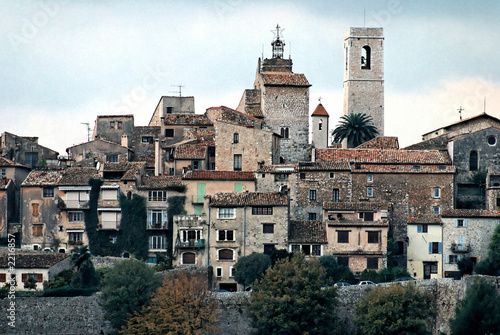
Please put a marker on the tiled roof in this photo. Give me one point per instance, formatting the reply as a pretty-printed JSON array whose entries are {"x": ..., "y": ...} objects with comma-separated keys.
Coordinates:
[
  {"x": 187, "y": 119},
  {"x": 191, "y": 151},
  {"x": 77, "y": 176},
  {"x": 219, "y": 175},
  {"x": 4, "y": 162},
  {"x": 320, "y": 111},
  {"x": 469, "y": 213},
  {"x": 437, "y": 143},
  {"x": 383, "y": 156},
  {"x": 482, "y": 115},
  {"x": 381, "y": 142},
  {"x": 84, "y": 144},
  {"x": 159, "y": 182},
  {"x": 43, "y": 178},
  {"x": 277, "y": 168},
  {"x": 324, "y": 166},
  {"x": 425, "y": 219},
  {"x": 248, "y": 198},
  {"x": 115, "y": 116},
  {"x": 233, "y": 116},
  {"x": 30, "y": 261},
  {"x": 306, "y": 232},
  {"x": 4, "y": 182},
  {"x": 131, "y": 169},
  {"x": 284, "y": 79},
  {"x": 353, "y": 206},
  {"x": 399, "y": 168}
]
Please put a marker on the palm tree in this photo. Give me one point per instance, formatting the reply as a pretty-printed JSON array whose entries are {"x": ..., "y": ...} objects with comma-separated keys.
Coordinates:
[
  {"x": 356, "y": 128},
  {"x": 80, "y": 258}
]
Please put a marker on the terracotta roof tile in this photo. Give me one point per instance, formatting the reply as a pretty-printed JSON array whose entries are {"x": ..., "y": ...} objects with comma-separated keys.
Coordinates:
[
  {"x": 30, "y": 261},
  {"x": 131, "y": 169},
  {"x": 284, "y": 79},
  {"x": 4, "y": 162},
  {"x": 306, "y": 232},
  {"x": 191, "y": 151},
  {"x": 320, "y": 111},
  {"x": 381, "y": 142},
  {"x": 324, "y": 166},
  {"x": 219, "y": 175},
  {"x": 249, "y": 199},
  {"x": 4, "y": 182},
  {"x": 426, "y": 219},
  {"x": 159, "y": 182},
  {"x": 187, "y": 119},
  {"x": 233, "y": 116},
  {"x": 470, "y": 213},
  {"x": 43, "y": 178},
  {"x": 400, "y": 168},
  {"x": 285, "y": 168},
  {"x": 353, "y": 206},
  {"x": 384, "y": 156},
  {"x": 77, "y": 176}
]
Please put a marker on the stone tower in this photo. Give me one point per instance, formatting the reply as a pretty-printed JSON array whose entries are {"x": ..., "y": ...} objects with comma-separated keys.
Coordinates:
[
  {"x": 281, "y": 98},
  {"x": 364, "y": 74},
  {"x": 320, "y": 127}
]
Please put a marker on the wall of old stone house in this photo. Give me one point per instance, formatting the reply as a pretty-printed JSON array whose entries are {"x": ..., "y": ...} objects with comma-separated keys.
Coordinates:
[
  {"x": 254, "y": 145},
  {"x": 86, "y": 154},
  {"x": 181, "y": 105},
  {"x": 103, "y": 129},
  {"x": 288, "y": 107},
  {"x": 493, "y": 198},
  {"x": 15, "y": 148},
  {"x": 256, "y": 239},
  {"x": 6, "y": 209},
  {"x": 418, "y": 250}
]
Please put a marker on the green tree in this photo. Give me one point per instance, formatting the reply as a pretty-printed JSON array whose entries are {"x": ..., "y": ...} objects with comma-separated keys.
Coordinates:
[
  {"x": 371, "y": 275},
  {"x": 289, "y": 299},
  {"x": 81, "y": 260},
  {"x": 279, "y": 254},
  {"x": 126, "y": 288},
  {"x": 62, "y": 279},
  {"x": 335, "y": 272},
  {"x": 250, "y": 268},
  {"x": 396, "y": 309},
  {"x": 479, "y": 312},
  {"x": 356, "y": 128},
  {"x": 491, "y": 265},
  {"x": 30, "y": 283},
  {"x": 182, "y": 305}
]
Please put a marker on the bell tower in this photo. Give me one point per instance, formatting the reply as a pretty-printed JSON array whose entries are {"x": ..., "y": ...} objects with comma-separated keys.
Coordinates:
[{"x": 364, "y": 74}]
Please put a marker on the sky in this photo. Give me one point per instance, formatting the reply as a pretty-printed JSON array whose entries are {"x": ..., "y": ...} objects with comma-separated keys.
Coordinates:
[{"x": 64, "y": 62}]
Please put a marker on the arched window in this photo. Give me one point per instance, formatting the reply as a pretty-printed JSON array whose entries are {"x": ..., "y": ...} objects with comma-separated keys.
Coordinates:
[
  {"x": 284, "y": 132},
  {"x": 226, "y": 254},
  {"x": 473, "y": 161},
  {"x": 188, "y": 258},
  {"x": 366, "y": 55}
]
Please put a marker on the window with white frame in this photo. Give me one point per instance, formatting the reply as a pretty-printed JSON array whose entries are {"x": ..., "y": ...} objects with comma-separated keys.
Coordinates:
[
  {"x": 369, "y": 192},
  {"x": 460, "y": 223},
  {"x": 436, "y": 210},
  {"x": 452, "y": 259},
  {"x": 218, "y": 272},
  {"x": 436, "y": 193},
  {"x": 312, "y": 195},
  {"x": 157, "y": 196},
  {"x": 157, "y": 219},
  {"x": 237, "y": 162},
  {"x": 75, "y": 236},
  {"x": 232, "y": 272},
  {"x": 190, "y": 235},
  {"x": 226, "y": 255},
  {"x": 109, "y": 194},
  {"x": 48, "y": 192},
  {"x": 157, "y": 242},
  {"x": 75, "y": 216},
  {"x": 369, "y": 178},
  {"x": 225, "y": 235},
  {"x": 226, "y": 213}
]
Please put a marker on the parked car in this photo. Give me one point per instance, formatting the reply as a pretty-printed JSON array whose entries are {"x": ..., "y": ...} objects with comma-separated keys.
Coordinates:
[
  {"x": 366, "y": 282},
  {"x": 341, "y": 284},
  {"x": 404, "y": 279}
]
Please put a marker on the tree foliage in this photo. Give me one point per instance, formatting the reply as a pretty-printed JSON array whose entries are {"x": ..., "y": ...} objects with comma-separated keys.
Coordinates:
[
  {"x": 182, "y": 305},
  {"x": 479, "y": 312},
  {"x": 81, "y": 260},
  {"x": 356, "y": 128},
  {"x": 30, "y": 283},
  {"x": 397, "y": 309},
  {"x": 491, "y": 265},
  {"x": 335, "y": 272},
  {"x": 289, "y": 299},
  {"x": 250, "y": 268},
  {"x": 126, "y": 288}
]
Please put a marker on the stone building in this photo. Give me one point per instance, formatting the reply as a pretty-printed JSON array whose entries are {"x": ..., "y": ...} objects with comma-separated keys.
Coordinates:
[
  {"x": 425, "y": 247},
  {"x": 493, "y": 190},
  {"x": 308, "y": 237},
  {"x": 114, "y": 128},
  {"x": 281, "y": 98},
  {"x": 190, "y": 240},
  {"x": 466, "y": 233},
  {"x": 171, "y": 105},
  {"x": 242, "y": 223},
  {"x": 320, "y": 127},
  {"x": 26, "y": 150},
  {"x": 357, "y": 234},
  {"x": 99, "y": 150},
  {"x": 364, "y": 74}
]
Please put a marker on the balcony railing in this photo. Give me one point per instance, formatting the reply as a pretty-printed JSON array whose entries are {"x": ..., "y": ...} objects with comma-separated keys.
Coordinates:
[
  {"x": 193, "y": 244},
  {"x": 460, "y": 248},
  {"x": 157, "y": 225},
  {"x": 72, "y": 204}
]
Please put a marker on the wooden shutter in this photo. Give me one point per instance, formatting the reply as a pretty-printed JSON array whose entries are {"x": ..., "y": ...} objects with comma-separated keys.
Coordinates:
[
  {"x": 419, "y": 228},
  {"x": 430, "y": 247},
  {"x": 3, "y": 277},
  {"x": 440, "y": 247},
  {"x": 465, "y": 222},
  {"x": 39, "y": 277},
  {"x": 24, "y": 277},
  {"x": 455, "y": 223}
]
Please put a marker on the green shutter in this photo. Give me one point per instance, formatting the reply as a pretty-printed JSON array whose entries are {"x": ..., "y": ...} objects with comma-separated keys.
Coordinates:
[
  {"x": 200, "y": 192},
  {"x": 198, "y": 209},
  {"x": 238, "y": 187}
]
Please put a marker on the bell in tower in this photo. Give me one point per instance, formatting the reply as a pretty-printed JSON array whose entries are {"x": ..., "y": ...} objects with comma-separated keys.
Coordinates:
[
  {"x": 278, "y": 45},
  {"x": 277, "y": 63}
]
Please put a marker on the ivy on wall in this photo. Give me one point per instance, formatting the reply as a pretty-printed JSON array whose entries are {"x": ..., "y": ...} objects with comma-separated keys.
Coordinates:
[
  {"x": 175, "y": 207},
  {"x": 134, "y": 237}
]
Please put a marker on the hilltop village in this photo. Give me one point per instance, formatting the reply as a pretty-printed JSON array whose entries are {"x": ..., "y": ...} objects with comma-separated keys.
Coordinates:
[{"x": 263, "y": 176}]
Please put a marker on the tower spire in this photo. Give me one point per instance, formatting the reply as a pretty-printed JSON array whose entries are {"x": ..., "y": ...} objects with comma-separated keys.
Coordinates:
[{"x": 278, "y": 44}]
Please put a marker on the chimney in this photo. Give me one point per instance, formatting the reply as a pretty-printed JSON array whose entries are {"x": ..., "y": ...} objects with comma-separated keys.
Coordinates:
[
  {"x": 158, "y": 159},
  {"x": 162, "y": 127}
]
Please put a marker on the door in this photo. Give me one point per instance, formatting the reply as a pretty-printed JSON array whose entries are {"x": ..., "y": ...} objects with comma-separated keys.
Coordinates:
[{"x": 427, "y": 271}]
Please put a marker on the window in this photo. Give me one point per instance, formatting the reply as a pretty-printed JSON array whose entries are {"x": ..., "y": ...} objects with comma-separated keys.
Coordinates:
[
  {"x": 369, "y": 178},
  {"x": 34, "y": 209},
  {"x": 284, "y": 132},
  {"x": 498, "y": 201},
  {"x": 366, "y": 216},
  {"x": 113, "y": 239},
  {"x": 295, "y": 248},
  {"x": 237, "y": 162},
  {"x": 423, "y": 228},
  {"x": 157, "y": 243},
  {"x": 75, "y": 236},
  {"x": 189, "y": 258},
  {"x": 302, "y": 176},
  {"x": 373, "y": 237},
  {"x": 169, "y": 133},
  {"x": 232, "y": 271},
  {"x": 38, "y": 277},
  {"x": 436, "y": 193},
  {"x": 312, "y": 216},
  {"x": 473, "y": 161},
  {"x": 332, "y": 175},
  {"x": 226, "y": 235},
  {"x": 226, "y": 213},
  {"x": 2, "y": 173},
  {"x": 316, "y": 250},
  {"x": 372, "y": 263},
  {"x": 170, "y": 109},
  {"x": 226, "y": 255},
  {"x": 366, "y": 55},
  {"x": 111, "y": 124},
  {"x": 460, "y": 223},
  {"x": 236, "y": 138},
  {"x": 112, "y": 158},
  {"x": 343, "y": 236},
  {"x": 492, "y": 140},
  {"x": 335, "y": 197},
  {"x": 268, "y": 249},
  {"x": 190, "y": 235},
  {"x": 171, "y": 171},
  {"x": 343, "y": 261},
  {"x": 369, "y": 192},
  {"x": 109, "y": 194},
  {"x": 282, "y": 176},
  {"x": 157, "y": 196},
  {"x": 262, "y": 211},
  {"x": 157, "y": 218},
  {"x": 453, "y": 259},
  {"x": 120, "y": 126},
  {"x": 48, "y": 192},
  {"x": 75, "y": 216},
  {"x": 196, "y": 165},
  {"x": 147, "y": 139},
  {"x": 435, "y": 247},
  {"x": 268, "y": 228},
  {"x": 320, "y": 124},
  {"x": 38, "y": 230},
  {"x": 218, "y": 272},
  {"x": 434, "y": 267},
  {"x": 435, "y": 210},
  {"x": 312, "y": 195},
  {"x": 31, "y": 159}
]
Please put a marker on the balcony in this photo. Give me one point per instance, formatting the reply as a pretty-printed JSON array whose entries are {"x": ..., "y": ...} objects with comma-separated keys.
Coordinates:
[
  {"x": 76, "y": 204},
  {"x": 193, "y": 244},
  {"x": 157, "y": 226},
  {"x": 460, "y": 248}
]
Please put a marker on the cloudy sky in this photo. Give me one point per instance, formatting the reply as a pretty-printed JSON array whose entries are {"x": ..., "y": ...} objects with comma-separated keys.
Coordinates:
[{"x": 64, "y": 62}]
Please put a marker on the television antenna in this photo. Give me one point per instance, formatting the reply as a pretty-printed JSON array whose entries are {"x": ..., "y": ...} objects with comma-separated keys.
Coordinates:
[
  {"x": 88, "y": 130},
  {"x": 180, "y": 89}
]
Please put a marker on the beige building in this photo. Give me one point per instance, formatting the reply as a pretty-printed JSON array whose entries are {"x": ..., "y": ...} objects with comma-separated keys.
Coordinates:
[
  {"x": 190, "y": 240},
  {"x": 425, "y": 247},
  {"x": 242, "y": 223},
  {"x": 357, "y": 234}
]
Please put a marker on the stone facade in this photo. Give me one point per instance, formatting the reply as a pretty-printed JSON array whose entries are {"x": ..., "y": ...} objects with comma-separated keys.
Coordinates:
[
  {"x": 364, "y": 74},
  {"x": 26, "y": 150},
  {"x": 171, "y": 105},
  {"x": 113, "y": 127},
  {"x": 98, "y": 150}
]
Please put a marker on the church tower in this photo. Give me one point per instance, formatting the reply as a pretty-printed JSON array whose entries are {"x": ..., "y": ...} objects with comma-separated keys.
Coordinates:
[
  {"x": 320, "y": 127},
  {"x": 364, "y": 74}
]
